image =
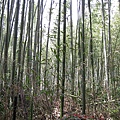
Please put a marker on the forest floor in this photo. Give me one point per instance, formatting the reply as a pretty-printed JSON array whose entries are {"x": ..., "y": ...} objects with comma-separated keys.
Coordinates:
[
  {"x": 73, "y": 111},
  {"x": 44, "y": 108}
]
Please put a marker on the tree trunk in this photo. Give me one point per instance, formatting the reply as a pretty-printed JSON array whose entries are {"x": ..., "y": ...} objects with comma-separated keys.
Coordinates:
[
  {"x": 83, "y": 59},
  {"x": 58, "y": 49},
  {"x": 64, "y": 61}
]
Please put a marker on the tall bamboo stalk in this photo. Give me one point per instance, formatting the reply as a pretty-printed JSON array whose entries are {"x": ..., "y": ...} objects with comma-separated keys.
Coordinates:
[
  {"x": 83, "y": 59},
  {"x": 64, "y": 61}
]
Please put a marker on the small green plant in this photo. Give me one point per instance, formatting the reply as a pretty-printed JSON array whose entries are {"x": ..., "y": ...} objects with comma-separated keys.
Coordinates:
[{"x": 115, "y": 114}]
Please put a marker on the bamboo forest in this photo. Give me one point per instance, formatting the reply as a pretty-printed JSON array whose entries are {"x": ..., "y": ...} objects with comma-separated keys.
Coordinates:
[{"x": 59, "y": 59}]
